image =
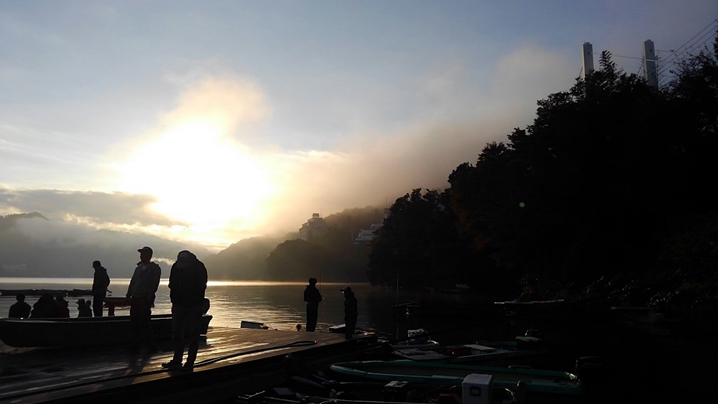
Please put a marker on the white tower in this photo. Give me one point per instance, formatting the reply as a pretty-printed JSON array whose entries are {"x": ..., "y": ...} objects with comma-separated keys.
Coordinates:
[
  {"x": 649, "y": 63},
  {"x": 587, "y": 59}
]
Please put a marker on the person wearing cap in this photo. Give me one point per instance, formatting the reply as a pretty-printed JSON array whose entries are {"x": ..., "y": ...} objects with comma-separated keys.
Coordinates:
[
  {"x": 312, "y": 297},
  {"x": 82, "y": 309},
  {"x": 351, "y": 312},
  {"x": 100, "y": 282},
  {"x": 188, "y": 281},
  {"x": 141, "y": 294}
]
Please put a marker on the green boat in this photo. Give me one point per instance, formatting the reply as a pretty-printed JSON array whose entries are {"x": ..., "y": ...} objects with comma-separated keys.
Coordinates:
[{"x": 536, "y": 380}]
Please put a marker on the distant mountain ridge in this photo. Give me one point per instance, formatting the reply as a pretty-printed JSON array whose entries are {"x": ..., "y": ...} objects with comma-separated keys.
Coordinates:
[
  {"x": 31, "y": 245},
  {"x": 34, "y": 246}
]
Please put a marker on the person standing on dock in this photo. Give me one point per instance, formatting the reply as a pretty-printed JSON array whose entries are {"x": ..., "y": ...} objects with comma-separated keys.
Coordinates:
[
  {"x": 351, "y": 312},
  {"x": 141, "y": 294},
  {"x": 312, "y": 297},
  {"x": 100, "y": 282},
  {"x": 188, "y": 281},
  {"x": 20, "y": 309}
]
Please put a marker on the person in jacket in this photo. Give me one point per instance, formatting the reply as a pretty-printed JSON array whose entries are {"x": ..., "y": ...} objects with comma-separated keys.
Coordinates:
[
  {"x": 63, "y": 306},
  {"x": 20, "y": 309},
  {"x": 141, "y": 294},
  {"x": 312, "y": 297},
  {"x": 351, "y": 312},
  {"x": 188, "y": 281},
  {"x": 45, "y": 307},
  {"x": 100, "y": 282}
]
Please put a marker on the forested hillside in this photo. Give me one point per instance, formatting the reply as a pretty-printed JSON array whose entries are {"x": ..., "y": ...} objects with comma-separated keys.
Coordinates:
[
  {"x": 332, "y": 256},
  {"x": 610, "y": 185}
]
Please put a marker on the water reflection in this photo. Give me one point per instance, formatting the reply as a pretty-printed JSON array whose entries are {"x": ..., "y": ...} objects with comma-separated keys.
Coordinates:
[{"x": 278, "y": 305}]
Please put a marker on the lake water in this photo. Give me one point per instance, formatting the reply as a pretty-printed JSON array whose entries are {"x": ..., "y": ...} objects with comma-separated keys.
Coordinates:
[
  {"x": 643, "y": 364},
  {"x": 278, "y": 305}
]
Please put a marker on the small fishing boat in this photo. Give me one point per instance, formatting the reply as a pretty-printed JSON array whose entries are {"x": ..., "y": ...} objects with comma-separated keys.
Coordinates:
[
  {"x": 531, "y": 306},
  {"x": 421, "y": 311},
  {"x": 535, "y": 380},
  {"x": 298, "y": 390},
  {"x": 416, "y": 339},
  {"x": 82, "y": 331},
  {"x": 482, "y": 352}
]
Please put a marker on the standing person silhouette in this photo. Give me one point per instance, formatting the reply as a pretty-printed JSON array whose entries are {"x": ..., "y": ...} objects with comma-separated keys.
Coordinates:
[
  {"x": 312, "y": 297},
  {"x": 351, "y": 312},
  {"x": 141, "y": 293},
  {"x": 188, "y": 281},
  {"x": 100, "y": 282}
]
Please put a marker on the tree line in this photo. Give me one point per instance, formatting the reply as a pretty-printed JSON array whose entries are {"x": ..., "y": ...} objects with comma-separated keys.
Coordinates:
[{"x": 612, "y": 177}]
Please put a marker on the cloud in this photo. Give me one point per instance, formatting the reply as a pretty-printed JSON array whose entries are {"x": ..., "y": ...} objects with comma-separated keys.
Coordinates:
[
  {"x": 59, "y": 248},
  {"x": 94, "y": 209},
  {"x": 196, "y": 163},
  {"x": 454, "y": 121},
  {"x": 373, "y": 169},
  {"x": 203, "y": 173},
  {"x": 225, "y": 102}
]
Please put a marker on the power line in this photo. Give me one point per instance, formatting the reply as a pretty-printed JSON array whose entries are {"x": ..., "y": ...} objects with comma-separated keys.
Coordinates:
[
  {"x": 676, "y": 56},
  {"x": 698, "y": 40},
  {"x": 677, "y": 53},
  {"x": 699, "y": 33}
]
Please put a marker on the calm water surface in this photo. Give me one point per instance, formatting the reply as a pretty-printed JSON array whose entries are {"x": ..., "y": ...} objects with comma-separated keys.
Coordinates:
[
  {"x": 278, "y": 305},
  {"x": 651, "y": 363}
]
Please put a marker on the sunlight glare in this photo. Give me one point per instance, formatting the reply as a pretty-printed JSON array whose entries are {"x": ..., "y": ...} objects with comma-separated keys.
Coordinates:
[{"x": 199, "y": 176}]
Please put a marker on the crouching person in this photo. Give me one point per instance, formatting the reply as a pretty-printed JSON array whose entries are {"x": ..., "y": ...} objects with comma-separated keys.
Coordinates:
[{"x": 188, "y": 281}]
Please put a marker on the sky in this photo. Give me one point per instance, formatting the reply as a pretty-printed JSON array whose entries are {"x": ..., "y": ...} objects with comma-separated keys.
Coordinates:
[{"x": 212, "y": 122}]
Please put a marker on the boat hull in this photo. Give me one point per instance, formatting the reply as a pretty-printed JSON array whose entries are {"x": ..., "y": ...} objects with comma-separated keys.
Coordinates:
[
  {"x": 537, "y": 381},
  {"x": 82, "y": 331},
  {"x": 496, "y": 357}
]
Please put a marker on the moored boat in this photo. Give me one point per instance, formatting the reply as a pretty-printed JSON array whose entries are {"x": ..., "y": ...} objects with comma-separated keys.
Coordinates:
[
  {"x": 317, "y": 389},
  {"x": 521, "y": 306},
  {"x": 416, "y": 339},
  {"x": 482, "y": 352},
  {"x": 82, "y": 331},
  {"x": 536, "y": 380}
]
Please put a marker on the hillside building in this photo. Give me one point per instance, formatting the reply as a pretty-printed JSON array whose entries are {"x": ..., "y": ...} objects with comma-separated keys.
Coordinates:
[
  {"x": 367, "y": 235},
  {"x": 312, "y": 228}
]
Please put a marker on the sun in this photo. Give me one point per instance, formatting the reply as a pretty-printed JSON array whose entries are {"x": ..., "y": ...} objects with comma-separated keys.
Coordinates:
[{"x": 199, "y": 177}]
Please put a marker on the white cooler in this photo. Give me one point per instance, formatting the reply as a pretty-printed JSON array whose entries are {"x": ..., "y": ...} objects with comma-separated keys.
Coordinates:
[{"x": 476, "y": 389}]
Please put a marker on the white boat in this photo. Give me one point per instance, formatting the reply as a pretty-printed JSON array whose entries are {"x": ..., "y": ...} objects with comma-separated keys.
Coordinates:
[
  {"x": 499, "y": 352},
  {"x": 417, "y": 339}
]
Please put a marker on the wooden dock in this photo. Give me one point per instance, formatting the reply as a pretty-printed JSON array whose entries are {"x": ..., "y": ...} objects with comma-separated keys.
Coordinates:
[{"x": 230, "y": 362}]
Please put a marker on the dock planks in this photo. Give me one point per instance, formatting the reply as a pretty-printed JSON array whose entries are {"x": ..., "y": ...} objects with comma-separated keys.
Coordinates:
[{"x": 230, "y": 362}]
